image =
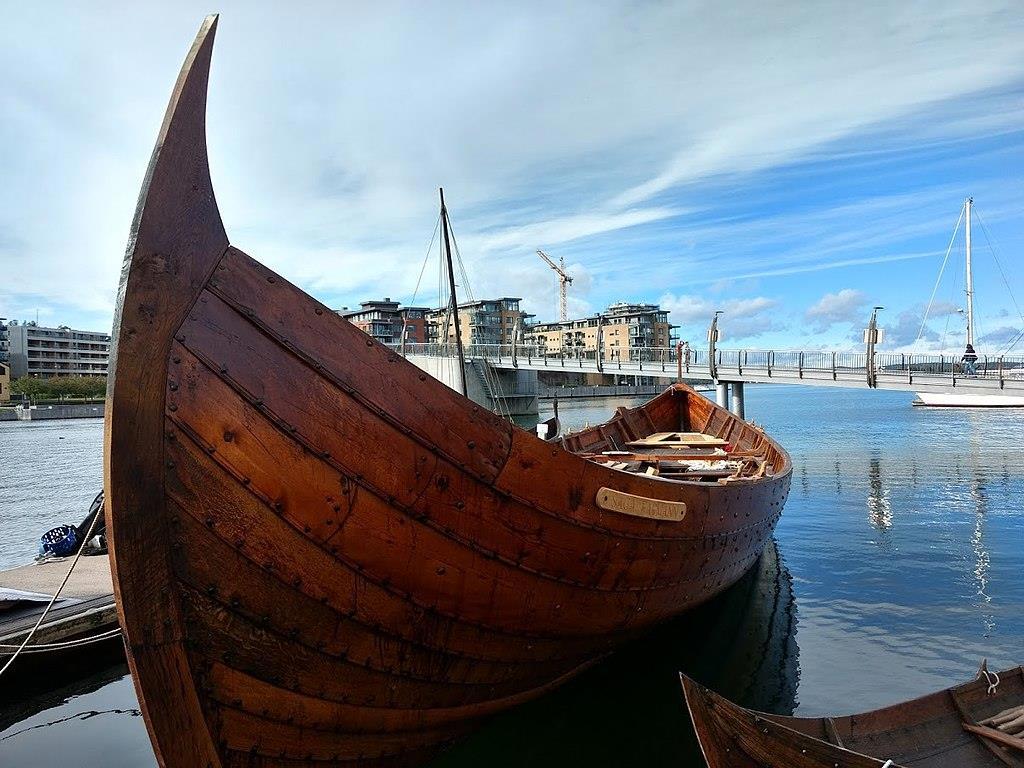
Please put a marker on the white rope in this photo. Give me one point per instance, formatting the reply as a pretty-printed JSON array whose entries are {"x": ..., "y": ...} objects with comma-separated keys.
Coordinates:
[
  {"x": 46, "y": 611},
  {"x": 46, "y": 647},
  {"x": 949, "y": 248},
  {"x": 988, "y": 679}
]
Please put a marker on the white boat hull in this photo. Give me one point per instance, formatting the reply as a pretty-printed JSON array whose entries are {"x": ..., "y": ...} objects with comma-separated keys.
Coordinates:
[{"x": 959, "y": 400}]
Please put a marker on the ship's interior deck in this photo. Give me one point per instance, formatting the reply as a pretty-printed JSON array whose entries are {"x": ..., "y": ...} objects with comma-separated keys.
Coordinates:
[{"x": 679, "y": 436}]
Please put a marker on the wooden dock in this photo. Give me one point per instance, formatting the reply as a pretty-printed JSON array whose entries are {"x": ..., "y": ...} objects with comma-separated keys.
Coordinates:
[{"x": 87, "y": 606}]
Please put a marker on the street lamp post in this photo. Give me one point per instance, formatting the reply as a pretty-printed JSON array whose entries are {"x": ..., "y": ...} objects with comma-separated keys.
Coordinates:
[
  {"x": 713, "y": 336},
  {"x": 872, "y": 335}
]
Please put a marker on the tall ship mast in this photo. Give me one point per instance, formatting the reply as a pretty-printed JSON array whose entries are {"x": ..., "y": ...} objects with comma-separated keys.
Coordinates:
[
  {"x": 970, "y": 276},
  {"x": 969, "y": 361}
]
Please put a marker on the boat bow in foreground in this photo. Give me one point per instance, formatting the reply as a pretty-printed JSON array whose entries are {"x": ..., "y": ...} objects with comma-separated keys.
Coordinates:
[
  {"x": 324, "y": 556},
  {"x": 980, "y": 723}
]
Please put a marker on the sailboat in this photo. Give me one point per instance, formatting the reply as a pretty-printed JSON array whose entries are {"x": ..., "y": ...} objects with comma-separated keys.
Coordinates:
[{"x": 970, "y": 357}]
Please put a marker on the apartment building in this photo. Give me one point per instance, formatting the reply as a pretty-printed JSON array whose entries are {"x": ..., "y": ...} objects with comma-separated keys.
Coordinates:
[
  {"x": 623, "y": 326},
  {"x": 384, "y": 320},
  {"x": 46, "y": 352},
  {"x": 414, "y": 320},
  {"x": 377, "y": 318},
  {"x": 487, "y": 321},
  {"x": 5, "y": 383},
  {"x": 5, "y": 353}
]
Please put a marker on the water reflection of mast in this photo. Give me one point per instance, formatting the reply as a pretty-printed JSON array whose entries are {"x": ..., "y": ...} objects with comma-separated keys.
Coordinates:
[
  {"x": 981, "y": 558},
  {"x": 979, "y": 497},
  {"x": 879, "y": 505},
  {"x": 978, "y": 436}
]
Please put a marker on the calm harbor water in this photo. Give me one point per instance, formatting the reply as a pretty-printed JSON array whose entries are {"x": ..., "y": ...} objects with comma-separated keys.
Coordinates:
[
  {"x": 50, "y": 471},
  {"x": 897, "y": 568}
]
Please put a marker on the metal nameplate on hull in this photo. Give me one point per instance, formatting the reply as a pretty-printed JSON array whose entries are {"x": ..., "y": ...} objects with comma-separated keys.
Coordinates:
[{"x": 640, "y": 506}]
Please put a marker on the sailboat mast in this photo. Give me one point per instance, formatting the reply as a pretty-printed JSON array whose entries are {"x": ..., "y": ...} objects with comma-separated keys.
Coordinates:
[
  {"x": 970, "y": 276},
  {"x": 454, "y": 300}
]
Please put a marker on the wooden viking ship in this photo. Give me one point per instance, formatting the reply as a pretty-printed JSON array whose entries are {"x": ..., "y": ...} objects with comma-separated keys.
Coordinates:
[
  {"x": 980, "y": 723},
  {"x": 322, "y": 555}
]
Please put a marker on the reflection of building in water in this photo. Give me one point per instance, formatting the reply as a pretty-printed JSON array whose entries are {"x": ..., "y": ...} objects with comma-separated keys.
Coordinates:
[{"x": 879, "y": 505}]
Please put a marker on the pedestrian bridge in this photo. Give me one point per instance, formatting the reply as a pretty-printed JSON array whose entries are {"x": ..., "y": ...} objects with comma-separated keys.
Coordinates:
[{"x": 735, "y": 367}]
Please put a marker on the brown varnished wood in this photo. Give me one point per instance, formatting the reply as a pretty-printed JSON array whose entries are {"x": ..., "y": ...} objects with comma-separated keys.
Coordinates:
[
  {"x": 259, "y": 597},
  {"x": 365, "y": 518},
  {"x": 228, "y": 685},
  {"x": 176, "y": 240},
  {"x": 940, "y": 730},
  {"x": 248, "y": 646},
  {"x": 325, "y": 556},
  {"x": 482, "y": 521},
  {"x": 282, "y": 740},
  {"x": 313, "y": 572}
]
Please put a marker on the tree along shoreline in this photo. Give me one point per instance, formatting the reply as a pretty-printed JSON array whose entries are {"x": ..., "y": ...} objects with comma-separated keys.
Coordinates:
[{"x": 60, "y": 389}]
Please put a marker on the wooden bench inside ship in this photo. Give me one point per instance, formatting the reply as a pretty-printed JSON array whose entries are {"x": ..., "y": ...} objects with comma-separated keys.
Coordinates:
[{"x": 684, "y": 442}]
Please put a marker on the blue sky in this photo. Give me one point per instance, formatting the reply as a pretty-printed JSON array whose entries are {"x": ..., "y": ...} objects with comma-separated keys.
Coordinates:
[{"x": 790, "y": 167}]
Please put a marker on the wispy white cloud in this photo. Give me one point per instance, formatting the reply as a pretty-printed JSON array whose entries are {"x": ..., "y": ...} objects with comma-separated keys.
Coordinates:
[
  {"x": 568, "y": 125},
  {"x": 845, "y": 306},
  {"x": 564, "y": 229},
  {"x": 742, "y": 318}
]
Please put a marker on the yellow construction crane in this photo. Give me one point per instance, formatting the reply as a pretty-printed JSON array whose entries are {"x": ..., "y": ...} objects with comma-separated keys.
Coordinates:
[{"x": 563, "y": 284}]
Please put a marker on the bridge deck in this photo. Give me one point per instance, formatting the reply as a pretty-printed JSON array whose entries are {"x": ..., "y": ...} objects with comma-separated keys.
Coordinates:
[{"x": 895, "y": 371}]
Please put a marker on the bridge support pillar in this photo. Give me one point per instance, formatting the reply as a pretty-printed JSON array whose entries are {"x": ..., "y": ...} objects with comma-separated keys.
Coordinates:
[
  {"x": 722, "y": 394},
  {"x": 737, "y": 399}
]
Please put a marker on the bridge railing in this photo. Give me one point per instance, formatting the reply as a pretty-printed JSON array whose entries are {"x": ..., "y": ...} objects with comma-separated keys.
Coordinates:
[
  {"x": 768, "y": 362},
  {"x": 986, "y": 366}
]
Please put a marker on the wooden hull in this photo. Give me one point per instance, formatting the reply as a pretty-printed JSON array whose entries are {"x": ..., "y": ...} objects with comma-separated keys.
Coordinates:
[
  {"x": 949, "y": 729},
  {"x": 324, "y": 556}
]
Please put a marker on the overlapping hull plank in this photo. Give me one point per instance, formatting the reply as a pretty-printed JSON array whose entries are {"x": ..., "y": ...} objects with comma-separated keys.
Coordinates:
[
  {"x": 323, "y": 555},
  {"x": 960, "y": 727}
]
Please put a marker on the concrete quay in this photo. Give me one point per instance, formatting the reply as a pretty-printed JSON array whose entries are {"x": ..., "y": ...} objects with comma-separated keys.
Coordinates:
[{"x": 60, "y": 411}]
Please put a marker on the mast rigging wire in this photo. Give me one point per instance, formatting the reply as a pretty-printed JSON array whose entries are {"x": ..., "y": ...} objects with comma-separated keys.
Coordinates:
[
  {"x": 1020, "y": 334},
  {"x": 416, "y": 290},
  {"x": 489, "y": 375},
  {"x": 949, "y": 248}
]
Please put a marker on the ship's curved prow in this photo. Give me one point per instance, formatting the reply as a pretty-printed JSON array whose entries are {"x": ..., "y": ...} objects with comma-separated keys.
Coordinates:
[
  {"x": 265, "y": 460},
  {"x": 176, "y": 240},
  {"x": 177, "y": 197}
]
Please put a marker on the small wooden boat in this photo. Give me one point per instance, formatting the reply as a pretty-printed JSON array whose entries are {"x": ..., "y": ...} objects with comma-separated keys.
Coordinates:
[
  {"x": 980, "y": 723},
  {"x": 322, "y": 555}
]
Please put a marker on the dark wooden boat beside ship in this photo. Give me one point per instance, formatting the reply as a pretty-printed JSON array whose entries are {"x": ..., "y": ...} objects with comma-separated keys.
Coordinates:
[
  {"x": 980, "y": 723},
  {"x": 324, "y": 556}
]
